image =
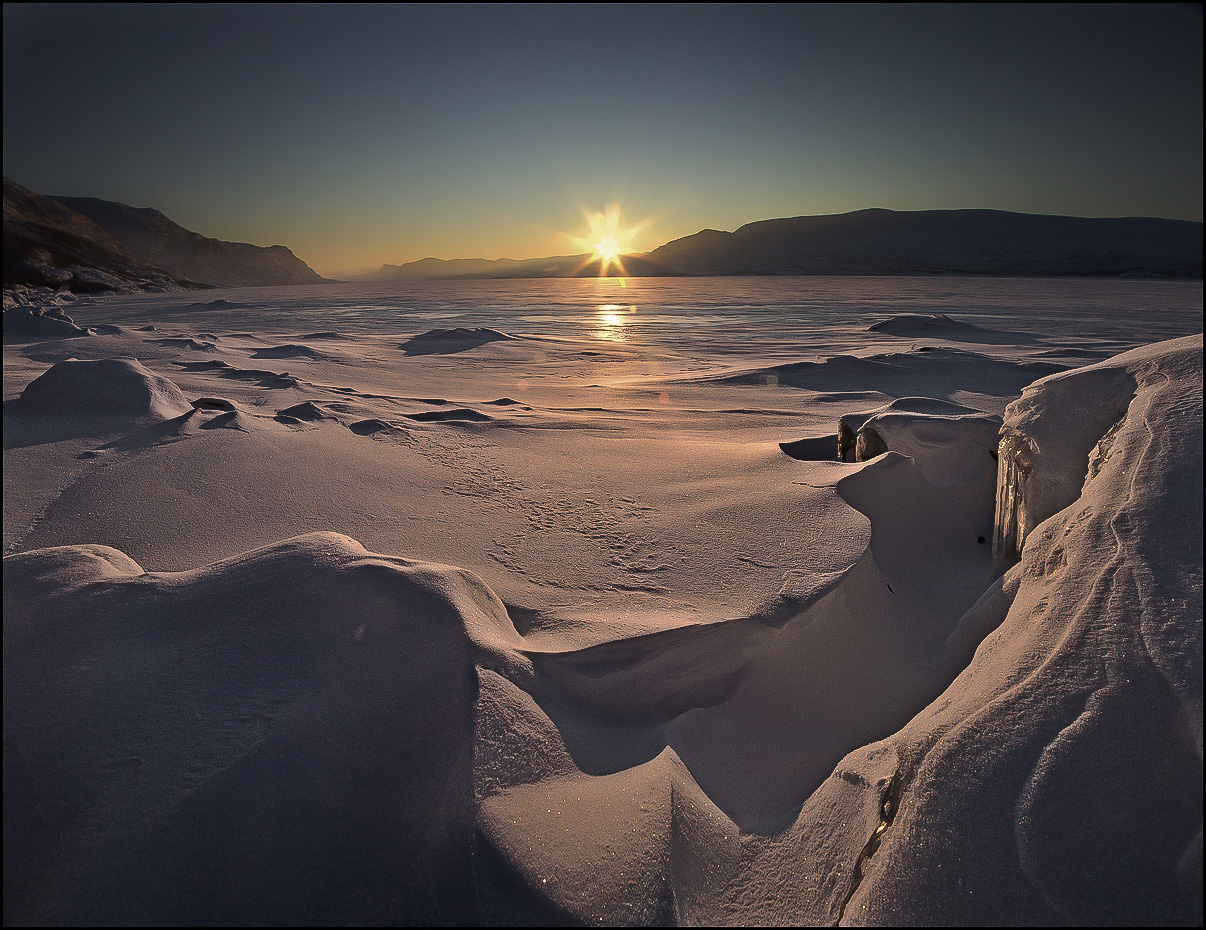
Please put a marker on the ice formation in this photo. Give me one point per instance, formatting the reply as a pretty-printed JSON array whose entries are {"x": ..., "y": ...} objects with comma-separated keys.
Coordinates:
[
  {"x": 948, "y": 441},
  {"x": 1049, "y": 435}
]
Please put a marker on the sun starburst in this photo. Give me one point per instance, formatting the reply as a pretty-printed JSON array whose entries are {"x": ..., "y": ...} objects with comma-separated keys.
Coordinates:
[
  {"x": 608, "y": 240},
  {"x": 607, "y": 249}
]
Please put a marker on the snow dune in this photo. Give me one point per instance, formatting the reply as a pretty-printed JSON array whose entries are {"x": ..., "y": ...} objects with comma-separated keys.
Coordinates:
[
  {"x": 680, "y": 678},
  {"x": 937, "y": 371},
  {"x": 107, "y": 386},
  {"x": 449, "y": 341}
]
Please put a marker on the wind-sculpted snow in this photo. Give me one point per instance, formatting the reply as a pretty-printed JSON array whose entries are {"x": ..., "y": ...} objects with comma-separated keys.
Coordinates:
[
  {"x": 335, "y": 678},
  {"x": 1059, "y": 778},
  {"x": 949, "y": 442},
  {"x": 929, "y": 371},
  {"x": 683, "y": 679},
  {"x": 40, "y": 323},
  {"x": 282, "y": 736},
  {"x": 450, "y": 341}
]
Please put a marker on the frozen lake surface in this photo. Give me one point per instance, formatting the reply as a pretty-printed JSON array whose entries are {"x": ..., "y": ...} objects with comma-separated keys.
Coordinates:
[{"x": 721, "y": 314}]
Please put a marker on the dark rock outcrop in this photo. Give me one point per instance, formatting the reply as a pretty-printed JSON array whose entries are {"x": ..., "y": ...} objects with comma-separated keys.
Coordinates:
[{"x": 869, "y": 444}]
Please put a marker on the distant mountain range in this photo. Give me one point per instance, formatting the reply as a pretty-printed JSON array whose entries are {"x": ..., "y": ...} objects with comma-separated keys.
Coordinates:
[
  {"x": 429, "y": 269},
  {"x": 89, "y": 245},
  {"x": 884, "y": 242}
]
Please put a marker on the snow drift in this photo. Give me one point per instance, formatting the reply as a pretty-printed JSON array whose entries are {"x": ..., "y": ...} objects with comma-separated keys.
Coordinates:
[
  {"x": 1059, "y": 778},
  {"x": 283, "y": 736},
  {"x": 310, "y": 732}
]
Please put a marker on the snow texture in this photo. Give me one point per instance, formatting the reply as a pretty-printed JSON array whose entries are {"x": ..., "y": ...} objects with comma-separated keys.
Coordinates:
[{"x": 341, "y": 647}]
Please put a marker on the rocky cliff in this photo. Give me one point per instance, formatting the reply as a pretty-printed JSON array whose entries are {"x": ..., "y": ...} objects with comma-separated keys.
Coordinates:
[{"x": 49, "y": 245}]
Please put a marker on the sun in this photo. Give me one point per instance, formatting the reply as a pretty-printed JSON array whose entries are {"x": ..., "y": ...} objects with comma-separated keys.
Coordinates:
[
  {"x": 608, "y": 249},
  {"x": 608, "y": 240}
]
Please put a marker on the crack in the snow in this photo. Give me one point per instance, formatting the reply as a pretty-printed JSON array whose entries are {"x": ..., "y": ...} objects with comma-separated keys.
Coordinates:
[{"x": 888, "y": 806}]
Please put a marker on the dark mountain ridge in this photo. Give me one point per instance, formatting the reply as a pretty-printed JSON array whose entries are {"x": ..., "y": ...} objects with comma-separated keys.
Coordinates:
[
  {"x": 47, "y": 244},
  {"x": 992, "y": 242},
  {"x": 157, "y": 240},
  {"x": 886, "y": 242}
]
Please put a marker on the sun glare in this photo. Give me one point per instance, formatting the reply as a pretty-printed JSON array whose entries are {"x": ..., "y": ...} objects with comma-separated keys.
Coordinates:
[
  {"x": 607, "y": 249},
  {"x": 608, "y": 241}
]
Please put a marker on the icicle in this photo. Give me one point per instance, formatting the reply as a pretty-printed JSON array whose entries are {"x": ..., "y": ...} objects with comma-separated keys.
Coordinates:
[{"x": 1015, "y": 458}]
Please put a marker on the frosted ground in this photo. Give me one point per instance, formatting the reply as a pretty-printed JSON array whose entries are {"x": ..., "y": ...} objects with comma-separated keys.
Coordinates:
[{"x": 687, "y": 667}]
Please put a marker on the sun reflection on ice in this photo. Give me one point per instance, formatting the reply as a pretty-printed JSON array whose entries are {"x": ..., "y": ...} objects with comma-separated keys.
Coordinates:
[{"x": 613, "y": 320}]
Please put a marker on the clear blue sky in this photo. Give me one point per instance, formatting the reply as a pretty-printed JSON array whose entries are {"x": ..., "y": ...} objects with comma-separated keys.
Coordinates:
[{"x": 364, "y": 134}]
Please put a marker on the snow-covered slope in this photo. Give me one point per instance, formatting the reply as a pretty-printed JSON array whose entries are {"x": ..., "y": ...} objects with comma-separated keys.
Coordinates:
[
  {"x": 311, "y": 732},
  {"x": 1059, "y": 778}
]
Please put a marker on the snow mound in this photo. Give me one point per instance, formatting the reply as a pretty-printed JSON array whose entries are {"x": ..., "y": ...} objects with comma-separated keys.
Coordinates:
[
  {"x": 325, "y": 334},
  {"x": 210, "y": 413},
  {"x": 290, "y": 350},
  {"x": 295, "y": 723},
  {"x": 219, "y": 304},
  {"x": 941, "y": 326},
  {"x": 455, "y": 413},
  {"x": 307, "y": 410},
  {"x": 377, "y": 428},
  {"x": 115, "y": 386},
  {"x": 30, "y": 321},
  {"x": 450, "y": 341},
  {"x": 185, "y": 342},
  {"x": 949, "y": 442},
  {"x": 911, "y": 324}
]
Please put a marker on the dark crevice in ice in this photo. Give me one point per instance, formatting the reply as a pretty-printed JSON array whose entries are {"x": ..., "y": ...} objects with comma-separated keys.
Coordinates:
[{"x": 888, "y": 806}]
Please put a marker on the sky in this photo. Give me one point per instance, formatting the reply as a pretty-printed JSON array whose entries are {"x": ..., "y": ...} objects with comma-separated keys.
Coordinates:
[{"x": 364, "y": 134}]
